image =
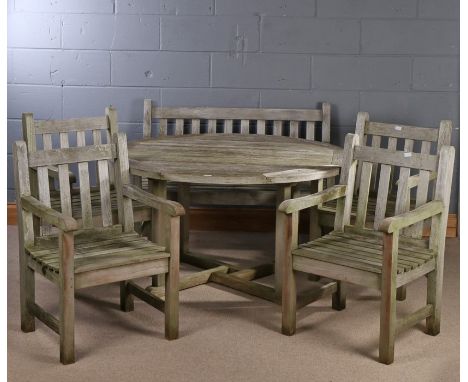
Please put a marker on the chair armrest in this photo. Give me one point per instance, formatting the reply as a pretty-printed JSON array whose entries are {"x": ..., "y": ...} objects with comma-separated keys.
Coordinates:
[
  {"x": 54, "y": 174},
  {"x": 413, "y": 180},
  {"x": 136, "y": 193},
  {"x": 63, "y": 222},
  {"x": 406, "y": 219},
  {"x": 293, "y": 205}
]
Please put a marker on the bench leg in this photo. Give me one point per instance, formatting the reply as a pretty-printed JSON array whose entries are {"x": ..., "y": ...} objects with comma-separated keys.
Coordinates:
[
  {"x": 434, "y": 297},
  {"x": 401, "y": 293},
  {"x": 27, "y": 295},
  {"x": 339, "y": 297},
  {"x": 126, "y": 298}
]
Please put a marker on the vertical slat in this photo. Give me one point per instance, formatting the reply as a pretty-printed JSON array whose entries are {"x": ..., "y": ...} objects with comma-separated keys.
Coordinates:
[
  {"x": 29, "y": 135},
  {"x": 376, "y": 140},
  {"x": 43, "y": 182},
  {"x": 310, "y": 130},
  {"x": 44, "y": 193},
  {"x": 421, "y": 193},
  {"x": 244, "y": 128},
  {"x": 112, "y": 128},
  {"x": 124, "y": 205},
  {"x": 347, "y": 177},
  {"x": 97, "y": 140},
  {"x": 278, "y": 128},
  {"x": 211, "y": 126},
  {"x": 147, "y": 118},
  {"x": 294, "y": 129},
  {"x": 162, "y": 127},
  {"x": 361, "y": 120},
  {"x": 228, "y": 126},
  {"x": 260, "y": 127},
  {"x": 64, "y": 181},
  {"x": 195, "y": 126},
  {"x": 383, "y": 189},
  {"x": 363, "y": 198},
  {"x": 402, "y": 199},
  {"x": 179, "y": 127},
  {"x": 85, "y": 195},
  {"x": 104, "y": 191},
  {"x": 326, "y": 122}
]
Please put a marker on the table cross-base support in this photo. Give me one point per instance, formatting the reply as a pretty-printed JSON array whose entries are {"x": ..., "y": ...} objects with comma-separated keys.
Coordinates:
[{"x": 232, "y": 276}]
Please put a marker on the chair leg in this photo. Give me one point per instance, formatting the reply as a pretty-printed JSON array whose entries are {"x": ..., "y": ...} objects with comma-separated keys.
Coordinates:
[
  {"x": 388, "y": 319},
  {"x": 67, "y": 299},
  {"x": 171, "y": 301},
  {"x": 434, "y": 297},
  {"x": 126, "y": 298},
  {"x": 339, "y": 297},
  {"x": 289, "y": 298},
  {"x": 387, "y": 325},
  {"x": 27, "y": 294},
  {"x": 401, "y": 293}
]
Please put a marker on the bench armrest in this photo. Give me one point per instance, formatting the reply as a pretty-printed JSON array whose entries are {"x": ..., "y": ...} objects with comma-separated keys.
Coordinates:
[
  {"x": 63, "y": 222},
  {"x": 136, "y": 193},
  {"x": 293, "y": 205},
  {"x": 395, "y": 223}
]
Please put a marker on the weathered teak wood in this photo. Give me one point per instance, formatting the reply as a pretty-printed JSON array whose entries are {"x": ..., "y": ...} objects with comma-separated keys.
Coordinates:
[
  {"x": 296, "y": 123},
  {"x": 231, "y": 160},
  {"x": 63, "y": 141},
  {"x": 83, "y": 253},
  {"x": 385, "y": 257}
]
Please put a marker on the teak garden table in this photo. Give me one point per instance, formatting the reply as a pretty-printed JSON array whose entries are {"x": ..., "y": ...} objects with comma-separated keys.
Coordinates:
[{"x": 228, "y": 160}]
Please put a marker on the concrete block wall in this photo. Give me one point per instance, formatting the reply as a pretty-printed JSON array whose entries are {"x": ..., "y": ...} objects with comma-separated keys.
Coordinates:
[{"x": 396, "y": 59}]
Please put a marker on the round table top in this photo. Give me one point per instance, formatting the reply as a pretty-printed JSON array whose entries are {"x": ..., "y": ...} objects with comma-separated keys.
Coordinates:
[{"x": 233, "y": 159}]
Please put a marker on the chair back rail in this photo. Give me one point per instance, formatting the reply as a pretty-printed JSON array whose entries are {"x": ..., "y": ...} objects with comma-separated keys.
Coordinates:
[
  {"x": 248, "y": 120},
  {"x": 379, "y": 178}
]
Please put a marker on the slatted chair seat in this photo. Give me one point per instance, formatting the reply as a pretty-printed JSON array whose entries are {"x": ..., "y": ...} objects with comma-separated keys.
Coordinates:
[
  {"x": 363, "y": 252},
  {"x": 95, "y": 251}
]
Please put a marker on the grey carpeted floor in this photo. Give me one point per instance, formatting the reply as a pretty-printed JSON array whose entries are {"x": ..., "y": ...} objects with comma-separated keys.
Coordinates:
[{"x": 226, "y": 336}]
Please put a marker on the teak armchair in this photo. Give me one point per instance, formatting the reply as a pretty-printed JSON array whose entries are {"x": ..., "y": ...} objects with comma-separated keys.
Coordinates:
[
  {"x": 77, "y": 254},
  {"x": 385, "y": 257},
  {"x": 376, "y": 134}
]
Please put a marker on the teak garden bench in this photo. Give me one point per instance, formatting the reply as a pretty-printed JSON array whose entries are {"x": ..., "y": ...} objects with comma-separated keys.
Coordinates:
[
  {"x": 92, "y": 251},
  {"x": 309, "y": 124},
  {"x": 387, "y": 256}
]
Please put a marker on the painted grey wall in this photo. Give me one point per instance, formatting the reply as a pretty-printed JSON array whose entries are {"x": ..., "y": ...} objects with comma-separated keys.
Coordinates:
[{"x": 396, "y": 59}]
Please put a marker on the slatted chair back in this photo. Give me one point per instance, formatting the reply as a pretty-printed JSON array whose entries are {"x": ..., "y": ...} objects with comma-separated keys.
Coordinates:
[
  {"x": 407, "y": 139},
  {"x": 383, "y": 161},
  {"x": 297, "y": 123},
  {"x": 96, "y": 150},
  {"x": 400, "y": 137}
]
